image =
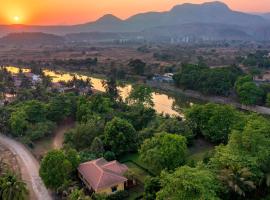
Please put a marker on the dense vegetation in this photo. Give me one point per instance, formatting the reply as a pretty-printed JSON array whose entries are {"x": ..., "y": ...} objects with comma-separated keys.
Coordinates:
[
  {"x": 11, "y": 187},
  {"x": 225, "y": 81},
  {"x": 258, "y": 59},
  {"x": 110, "y": 127},
  {"x": 216, "y": 81}
]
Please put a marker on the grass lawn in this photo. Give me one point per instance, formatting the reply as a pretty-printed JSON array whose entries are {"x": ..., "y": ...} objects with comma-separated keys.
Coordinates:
[
  {"x": 135, "y": 159},
  {"x": 140, "y": 173},
  {"x": 198, "y": 156},
  {"x": 135, "y": 192},
  {"x": 199, "y": 149}
]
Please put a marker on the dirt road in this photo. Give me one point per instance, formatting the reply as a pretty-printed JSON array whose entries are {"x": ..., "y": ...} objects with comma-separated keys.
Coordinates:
[
  {"x": 58, "y": 139},
  {"x": 29, "y": 169}
]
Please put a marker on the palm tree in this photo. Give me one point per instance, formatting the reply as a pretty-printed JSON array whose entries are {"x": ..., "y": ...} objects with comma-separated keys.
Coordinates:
[
  {"x": 12, "y": 189},
  {"x": 237, "y": 181}
]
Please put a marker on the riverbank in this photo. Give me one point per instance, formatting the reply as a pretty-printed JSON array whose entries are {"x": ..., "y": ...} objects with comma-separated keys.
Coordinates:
[{"x": 214, "y": 99}]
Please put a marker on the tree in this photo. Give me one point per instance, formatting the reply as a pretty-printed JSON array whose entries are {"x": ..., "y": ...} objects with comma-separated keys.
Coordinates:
[
  {"x": 151, "y": 187},
  {"x": 268, "y": 100},
  {"x": 174, "y": 125},
  {"x": 35, "y": 111},
  {"x": 215, "y": 81},
  {"x": 4, "y": 120},
  {"x": 120, "y": 136},
  {"x": 97, "y": 146},
  {"x": 137, "y": 66},
  {"x": 111, "y": 88},
  {"x": 189, "y": 76},
  {"x": 139, "y": 115},
  {"x": 238, "y": 181},
  {"x": 213, "y": 121},
  {"x": 18, "y": 122},
  {"x": 61, "y": 107},
  {"x": 78, "y": 195},
  {"x": 164, "y": 151},
  {"x": 82, "y": 136},
  {"x": 40, "y": 130},
  {"x": 245, "y": 156},
  {"x": 12, "y": 189},
  {"x": 248, "y": 92},
  {"x": 97, "y": 104},
  {"x": 141, "y": 94},
  {"x": 55, "y": 169},
  {"x": 188, "y": 183}
]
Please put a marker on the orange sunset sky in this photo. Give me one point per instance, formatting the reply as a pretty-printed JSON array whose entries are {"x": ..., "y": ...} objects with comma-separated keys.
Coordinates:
[{"x": 45, "y": 12}]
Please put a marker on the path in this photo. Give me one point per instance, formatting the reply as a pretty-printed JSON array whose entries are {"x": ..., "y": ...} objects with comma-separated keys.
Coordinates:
[
  {"x": 58, "y": 139},
  {"x": 29, "y": 168},
  {"x": 54, "y": 141}
]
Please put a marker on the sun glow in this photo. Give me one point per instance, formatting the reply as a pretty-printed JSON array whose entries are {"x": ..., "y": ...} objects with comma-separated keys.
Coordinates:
[{"x": 16, "y": 19}]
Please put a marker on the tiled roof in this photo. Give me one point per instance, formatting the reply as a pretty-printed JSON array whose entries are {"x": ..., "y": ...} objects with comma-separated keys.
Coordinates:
[{"x": 101, "y": 173}]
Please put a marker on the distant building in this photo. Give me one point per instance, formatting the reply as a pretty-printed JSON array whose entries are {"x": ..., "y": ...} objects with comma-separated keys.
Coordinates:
[
  {"x": 166, "y": 78},
  {"x": 34, "y": 78},
  {"x": 265, "y": 78},
  {"x": 101, "y": 176}
]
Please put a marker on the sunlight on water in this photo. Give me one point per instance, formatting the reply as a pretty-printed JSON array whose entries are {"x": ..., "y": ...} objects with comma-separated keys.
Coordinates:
[
  {"x": 163, "y": 103},
  {"x": 15, "y": 70}
]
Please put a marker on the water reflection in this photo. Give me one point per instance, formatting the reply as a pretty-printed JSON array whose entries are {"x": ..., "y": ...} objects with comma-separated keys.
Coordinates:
[{"x": 162, "y": 102}]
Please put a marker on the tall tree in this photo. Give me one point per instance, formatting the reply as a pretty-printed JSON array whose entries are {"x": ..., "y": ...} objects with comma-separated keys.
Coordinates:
[
  {"x": 141, "y": 94},
  {"x": 188, "y": 183},
  {"x": 55, "y": 169},
  {"x": 213, "y": 121},
  {"x": 164, "y": 151},
  {"x": 120, "y": 136},
  {"x": 137, "y": 66},
  {"x": 111, "y": 88}
]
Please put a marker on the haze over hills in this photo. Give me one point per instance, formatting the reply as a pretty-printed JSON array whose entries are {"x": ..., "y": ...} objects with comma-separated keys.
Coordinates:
[
  {"x": 31, "y": 39},
  {"x": 266, "y": 15},
  {"x": 208, "y": 21}
]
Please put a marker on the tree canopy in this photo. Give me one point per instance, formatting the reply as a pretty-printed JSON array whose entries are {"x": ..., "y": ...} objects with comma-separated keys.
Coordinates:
[
  {"x": 188, "y": 183},
  {"x": 120, "y": 136},
  {"x": 164, "y": 151},
  {"x": 55, "y": 169},
  {"x": 213, "y": 121}
]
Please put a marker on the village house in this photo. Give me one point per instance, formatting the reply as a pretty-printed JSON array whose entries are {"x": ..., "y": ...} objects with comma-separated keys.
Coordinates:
[
  {"x": 101, "y": 176},
  {"x": 166, "y": 78}
]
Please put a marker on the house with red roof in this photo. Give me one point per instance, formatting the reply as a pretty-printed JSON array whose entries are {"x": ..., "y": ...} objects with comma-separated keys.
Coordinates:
[{"x": 101, "y": 176}]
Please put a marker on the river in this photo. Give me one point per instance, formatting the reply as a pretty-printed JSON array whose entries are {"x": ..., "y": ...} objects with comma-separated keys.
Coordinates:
[{"x": 163, "y": 103}]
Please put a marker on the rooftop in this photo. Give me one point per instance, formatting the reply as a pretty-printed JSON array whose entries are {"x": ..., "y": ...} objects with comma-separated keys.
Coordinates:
[{"x": 101, "y": 174}]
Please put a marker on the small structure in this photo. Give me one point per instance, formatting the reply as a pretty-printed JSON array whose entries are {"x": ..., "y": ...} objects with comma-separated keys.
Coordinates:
[
  {"x": 264, "y": 78},
  {"x": 166, "y": 78},
  {"x": 101, "y": 176}
]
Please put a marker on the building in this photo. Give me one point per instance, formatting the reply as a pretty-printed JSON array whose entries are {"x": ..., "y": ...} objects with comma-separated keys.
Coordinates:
[
  {"x": 101, "y": 176},
  {"x": 166, "y": 78}
]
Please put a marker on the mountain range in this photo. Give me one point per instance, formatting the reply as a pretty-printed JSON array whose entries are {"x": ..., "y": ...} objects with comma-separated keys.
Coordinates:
[
  {"x": 208, "y": 21},
  {"x": 266, "y": 15}
]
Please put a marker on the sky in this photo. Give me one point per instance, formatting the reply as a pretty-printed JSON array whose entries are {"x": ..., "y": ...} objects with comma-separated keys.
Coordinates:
[{"x": 66, "y": 12}]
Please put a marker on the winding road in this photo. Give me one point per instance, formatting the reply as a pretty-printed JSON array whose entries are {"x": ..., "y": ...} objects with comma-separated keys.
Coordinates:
[{"x": 29, "y": 169}]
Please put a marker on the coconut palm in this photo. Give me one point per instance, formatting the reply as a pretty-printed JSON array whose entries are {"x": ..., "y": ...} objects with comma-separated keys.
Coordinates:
[
  {"x": 238, "y": 181},
  {"x": 12, "y": 189}
]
